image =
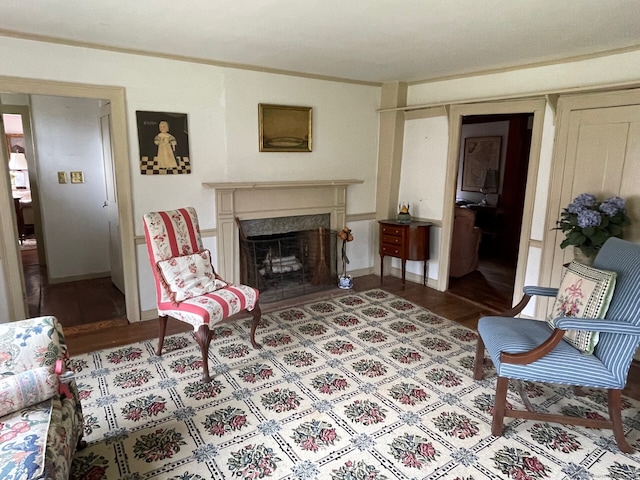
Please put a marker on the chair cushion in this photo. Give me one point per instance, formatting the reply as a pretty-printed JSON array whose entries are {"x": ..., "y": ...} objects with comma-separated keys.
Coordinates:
[
  {"x": 25, "y": 389},
  {"x": 189, "y": 276},
  {"x": 563, "y": 365},
  {"x": 212, "y": 308},
  {"x": 585, "y": 292}
]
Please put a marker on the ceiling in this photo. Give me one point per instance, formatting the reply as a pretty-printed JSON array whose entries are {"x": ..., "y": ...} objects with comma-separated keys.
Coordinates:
[{"x": 362, "y": 40}]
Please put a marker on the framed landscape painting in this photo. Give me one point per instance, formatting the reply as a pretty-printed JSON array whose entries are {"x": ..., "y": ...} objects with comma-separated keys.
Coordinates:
[{"x": 284, "y": 128}]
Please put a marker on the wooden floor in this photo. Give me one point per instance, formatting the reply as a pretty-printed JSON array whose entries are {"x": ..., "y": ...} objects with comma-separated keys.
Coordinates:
[
  {"x": 94, "y": 321},
  {"x": 73, "y": 303}
]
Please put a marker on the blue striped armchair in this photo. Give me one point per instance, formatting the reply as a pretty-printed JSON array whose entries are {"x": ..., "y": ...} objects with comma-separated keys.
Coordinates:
[{"x": 530, "y": 350}]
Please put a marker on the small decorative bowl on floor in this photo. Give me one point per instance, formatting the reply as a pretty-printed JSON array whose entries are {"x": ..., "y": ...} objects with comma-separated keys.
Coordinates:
[{"x": 345, "y": 281}]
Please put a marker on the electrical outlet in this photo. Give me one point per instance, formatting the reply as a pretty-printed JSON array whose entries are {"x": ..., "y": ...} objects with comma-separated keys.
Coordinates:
[{"x": 62, "y": 177}]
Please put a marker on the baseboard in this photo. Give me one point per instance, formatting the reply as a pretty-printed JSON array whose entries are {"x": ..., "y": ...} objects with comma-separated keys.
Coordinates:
[
  {"x": 412, "y": 277},
  {"x": 361, "y": 272},
  {"x": 148, "y": 315}
]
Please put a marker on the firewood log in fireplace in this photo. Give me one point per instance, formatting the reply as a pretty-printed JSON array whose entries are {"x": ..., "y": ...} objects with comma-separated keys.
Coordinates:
[{"x": 287, "y": 264}]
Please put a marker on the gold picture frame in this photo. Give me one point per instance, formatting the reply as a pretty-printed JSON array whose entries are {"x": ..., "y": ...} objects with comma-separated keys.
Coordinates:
[
  {"x": 284, "y": 128},
  {"x": 481, "y": 154}
]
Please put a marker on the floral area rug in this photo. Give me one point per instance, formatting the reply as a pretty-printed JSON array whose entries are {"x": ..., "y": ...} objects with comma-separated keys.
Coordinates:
[{"x": 361, "y": 386}]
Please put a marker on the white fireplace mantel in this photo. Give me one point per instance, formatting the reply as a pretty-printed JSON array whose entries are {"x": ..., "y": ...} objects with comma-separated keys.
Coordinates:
[{"x": 271, "y": 199}]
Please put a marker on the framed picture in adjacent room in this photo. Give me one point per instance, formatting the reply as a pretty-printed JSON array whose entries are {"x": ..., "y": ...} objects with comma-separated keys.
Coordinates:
[
  {"x": 284, "y": 128},
  {"x": 163, "y": 139},
  {"x": 15, "y": 143},
  {"x": 481, "y": 155}
]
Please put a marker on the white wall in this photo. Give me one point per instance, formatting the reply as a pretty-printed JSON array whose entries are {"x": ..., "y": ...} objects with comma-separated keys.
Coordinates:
[
  {"x": 424, "y": 165},
  {"x": 617, "y": 69},
  {"x": 222, "y": 109},
  {"x": 67, "y": 136}
]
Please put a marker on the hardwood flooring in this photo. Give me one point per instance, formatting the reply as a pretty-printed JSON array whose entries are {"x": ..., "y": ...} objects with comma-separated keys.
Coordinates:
[
  {"x": 76, "y": 303},
  {"x": 95, "y": 320}
]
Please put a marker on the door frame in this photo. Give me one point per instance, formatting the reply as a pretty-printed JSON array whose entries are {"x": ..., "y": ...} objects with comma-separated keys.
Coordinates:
[
  {"x": 566, "y": 105},
  {"x": 456, "y": 112},
  {"x": 116, "y": 96}
]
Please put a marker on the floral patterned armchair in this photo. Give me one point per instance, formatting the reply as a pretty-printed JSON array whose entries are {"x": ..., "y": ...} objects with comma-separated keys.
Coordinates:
[
  {"x": 187, "y": 287},
  {"x": 41, "y": 421}
]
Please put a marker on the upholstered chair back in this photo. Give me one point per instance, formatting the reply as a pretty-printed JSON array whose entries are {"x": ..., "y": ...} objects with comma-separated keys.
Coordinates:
[
  {"x": 616, "y": 350},
  {"x": 169, "y": 234}
]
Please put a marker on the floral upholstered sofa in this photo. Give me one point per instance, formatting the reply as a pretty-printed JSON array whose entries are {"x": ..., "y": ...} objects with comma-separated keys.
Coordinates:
[{"x": 41, "y": 421}]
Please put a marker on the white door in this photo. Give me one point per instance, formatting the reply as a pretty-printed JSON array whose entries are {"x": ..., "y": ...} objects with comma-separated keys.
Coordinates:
[
  {"x": 597, "y": 152},
  {"x": 111, "y": 201}
]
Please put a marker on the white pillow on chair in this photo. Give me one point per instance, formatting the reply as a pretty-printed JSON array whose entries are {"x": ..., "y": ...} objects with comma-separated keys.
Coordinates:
[
  {"x": 584, "y": 292},
  {"x": 189, "y": 276}
]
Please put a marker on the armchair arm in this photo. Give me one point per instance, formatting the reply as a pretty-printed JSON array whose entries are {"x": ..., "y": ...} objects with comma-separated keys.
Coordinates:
[
  {"x": 597, "y": 325},
  {"x": 540, "y": 291},
  {"x": 32, "y": 343},
  {"x": 529, "y": 291},
  {"x": 534, "y": 354}
]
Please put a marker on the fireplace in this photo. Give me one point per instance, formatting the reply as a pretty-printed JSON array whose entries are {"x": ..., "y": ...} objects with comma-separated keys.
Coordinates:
[
  {"x": 288, "y": 256},
  {"x": 255, "y": 201}
]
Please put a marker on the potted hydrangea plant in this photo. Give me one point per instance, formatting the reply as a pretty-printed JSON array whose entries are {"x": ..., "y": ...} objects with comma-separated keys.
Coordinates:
[{"x": 588, "y": 223}]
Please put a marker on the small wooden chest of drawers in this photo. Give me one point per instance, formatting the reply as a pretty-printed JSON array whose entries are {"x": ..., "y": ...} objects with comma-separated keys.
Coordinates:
[{"x": 406, "y": 241}]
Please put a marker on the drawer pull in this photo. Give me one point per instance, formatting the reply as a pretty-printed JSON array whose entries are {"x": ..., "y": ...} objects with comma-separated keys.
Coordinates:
[{"x": 392, "y": 240}]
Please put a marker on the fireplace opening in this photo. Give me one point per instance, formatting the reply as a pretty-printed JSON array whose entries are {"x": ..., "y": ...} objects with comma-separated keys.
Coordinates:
[{"x": 287, "y": 264}]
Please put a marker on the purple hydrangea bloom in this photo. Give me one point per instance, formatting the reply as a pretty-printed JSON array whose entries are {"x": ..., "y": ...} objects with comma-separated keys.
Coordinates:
[
  {"x": 589, "y": 218},
  {"x": 574, "y": 208},
  {"x": 582, "y": 201},
  {"x": 612, "y": 206}
]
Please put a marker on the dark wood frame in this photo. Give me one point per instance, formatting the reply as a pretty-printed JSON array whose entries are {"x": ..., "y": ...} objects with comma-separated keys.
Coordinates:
[{"x": 284, "y": 128}]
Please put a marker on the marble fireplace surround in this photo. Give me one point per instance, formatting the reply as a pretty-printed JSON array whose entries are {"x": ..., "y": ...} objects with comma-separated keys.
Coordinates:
[{"x": 271, "y": 199}]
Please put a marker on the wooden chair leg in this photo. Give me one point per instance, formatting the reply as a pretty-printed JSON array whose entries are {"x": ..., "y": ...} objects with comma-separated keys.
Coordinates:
[
  {"x": 479, "y": 363},
  {"x": 162, "y": 324},
  {"x": 615, "y": 414},
  {"x": 519, "y": 384},
  {"x": 499, "y": 406},
  {"x": 256, "y": 313},
  {"x": 203, "y": 337},
  {"x": 579, "y": 392}
]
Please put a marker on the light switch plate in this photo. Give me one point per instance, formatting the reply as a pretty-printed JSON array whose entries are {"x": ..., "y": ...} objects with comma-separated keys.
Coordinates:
[
  {"x": 62, "y": 177},
  {"x": 77, "y": 177}
]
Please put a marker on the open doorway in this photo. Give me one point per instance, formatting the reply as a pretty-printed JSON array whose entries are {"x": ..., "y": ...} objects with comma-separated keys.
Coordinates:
[
  {"x": 69, "y": 275},
  {"x": 488, "y": 212},
  {"x": 20, "y": 88}
]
